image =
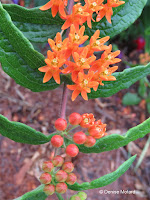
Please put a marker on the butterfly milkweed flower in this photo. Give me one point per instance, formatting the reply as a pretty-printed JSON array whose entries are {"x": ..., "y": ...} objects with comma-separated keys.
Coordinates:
[
  {"x": 80, "y": 63},
  {"x": 76, "y": 17},
  {"x": 107, "y": 10},
  {"x": 83, "y": 85},
  {"x": 91, "y": 7},
  {"x": 55, "y": 5},
  {"x": 52, "y": 69}
]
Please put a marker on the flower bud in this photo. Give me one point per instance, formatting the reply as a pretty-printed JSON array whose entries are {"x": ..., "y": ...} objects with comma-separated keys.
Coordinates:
[
  {"x": 61, "y": 176},
  {"x": 96, "y": 132},
  {"x": 75, "y": 119},
  {"x": 61, "y": 188},
  {"x": 90, "y": 141},
  {"x": 71, "y": 179},
  {"x": 49, "y": 189},
  {"x": 47, "y": 166},
  {"x": 58, "y": 161},
  {"x": 75, "y": 197},
  {"x": 57, "y": 141},
  {"x": 60, "y": 124},
  {"x": 68, "y": 167},
  {"x": 45, "y": 178},
  {"x": 79, "y": 137},
  {"x": 82, "y": 195},
  {"x": 72, "y": 150},
  {"x": 87, "y": 120}
]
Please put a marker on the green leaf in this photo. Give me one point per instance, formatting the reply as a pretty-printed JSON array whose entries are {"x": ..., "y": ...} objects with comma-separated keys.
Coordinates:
[
  {"x": 131, "y": 99},
  {"x": 123, "y": 17},
  {"x": 115, "y": 141},
  {"x": 36, "y": 194},
  {"x": 18, "y": 58},
  {"x": 124, "y": 80},
  {"x": 38, "y": 26},
  {"x": 106, "y": 179},
  {"x": 142, "y": 88},
  {"x": 148, "y": 107},
  {"x": 22, "y": 133}
]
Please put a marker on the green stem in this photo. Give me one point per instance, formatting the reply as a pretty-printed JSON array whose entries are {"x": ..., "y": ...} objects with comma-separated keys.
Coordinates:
[{"x": 59, "y": 196}]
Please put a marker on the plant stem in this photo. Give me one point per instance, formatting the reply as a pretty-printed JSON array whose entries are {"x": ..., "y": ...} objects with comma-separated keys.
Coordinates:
[
  {"x": 59, "y": 196},
  {"x": 64, "y": 101},
  {"x": 70, "y": 6}
]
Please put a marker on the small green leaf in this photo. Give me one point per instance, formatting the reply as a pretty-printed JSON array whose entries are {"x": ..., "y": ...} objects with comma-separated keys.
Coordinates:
[
  {"x": 123, "y": 80},
  {"x": 131, "y": 99},
  {"x": 115, "y": 141},
  {"x": 18, "y": 58},
  {"x": 22, "y": 133},
  {"x": 106, "y": 179},
  {"x": 148, "y": 107},
  {"x": 36, "y": 194},
  {"x": 142, "y": 88}
]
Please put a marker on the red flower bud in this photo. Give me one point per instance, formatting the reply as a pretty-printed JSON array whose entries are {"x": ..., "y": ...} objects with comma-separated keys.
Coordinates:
[
  {"x": 68, "y": 167},
  {"x": 71, "y": 179},
  {"x": 47, "y": 166},
  {"x": 79, "y": 137},
  {"x": 60, "y": 124},
  {"x": 75, "y": 119},
  {"x": 90, "y": 141},
  {"x": 57, "y": 141},
  {"x": 45, "y": 178},
  {"x": 82, "y": 195},
  {"x": 58, "y": 161},
  {"x": 49, "y": 189},
  {"x": 61, "y": 176},
  {"x": 61, "y": 188},
  {"x": 72, "y": 150}
]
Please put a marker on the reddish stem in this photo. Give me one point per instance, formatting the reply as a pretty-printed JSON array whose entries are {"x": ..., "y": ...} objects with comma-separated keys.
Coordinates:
[
  {"x": 64, "y": 101},
  {"x": 65, "y": 89}
]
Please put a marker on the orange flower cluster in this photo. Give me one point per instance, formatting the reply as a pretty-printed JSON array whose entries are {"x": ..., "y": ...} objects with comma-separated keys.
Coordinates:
[
  {"x": 86, "y": 72},
  {"x": 81, "y": 14}
]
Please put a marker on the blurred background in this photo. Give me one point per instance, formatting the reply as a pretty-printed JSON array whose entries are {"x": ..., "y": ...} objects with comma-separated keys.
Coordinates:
[{"x": 20, "y": 164}]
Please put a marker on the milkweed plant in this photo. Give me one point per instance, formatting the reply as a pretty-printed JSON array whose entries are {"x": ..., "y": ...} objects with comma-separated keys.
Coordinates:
[{"x": 76, "y": 31}]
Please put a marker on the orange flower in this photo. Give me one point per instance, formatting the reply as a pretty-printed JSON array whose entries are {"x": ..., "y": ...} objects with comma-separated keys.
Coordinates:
[
  {"x": 107, "y": 10},
  {"x": 58, "y": 46},
  {"x": 92, "y": 6},
  {"x": 107, "y": 58},
  {"x": 78, "y": 12},
  {"x": 76, "y": 38},
  {"x": 97, "y": 130},
  {"x": 81, "y": 63},
  {"x": 97, "y": 44},
  {"x": 83, "y": 85},
  {"x": 55, "y": 5},
  {"x": 115, "y": 3},
  {"x": 52, "y": 69},
  {"x": 87, "y": 120},
  {"x": 104, "y": 74},
  {"x": 110, "y": 57}
]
